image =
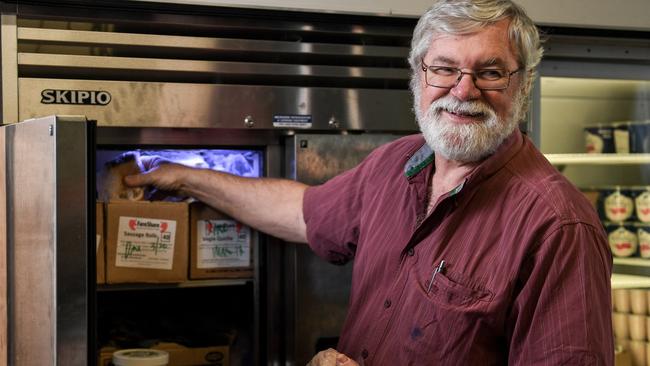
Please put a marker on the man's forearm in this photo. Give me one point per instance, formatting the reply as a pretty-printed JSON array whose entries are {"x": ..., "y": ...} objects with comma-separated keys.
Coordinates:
[{"x": 273, "y": 206}]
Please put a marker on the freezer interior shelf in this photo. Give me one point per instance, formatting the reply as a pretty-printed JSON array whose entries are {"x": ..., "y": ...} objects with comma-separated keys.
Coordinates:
[
  {"x": 194, "y": 283},
  {"x": 598, "y": 159}
]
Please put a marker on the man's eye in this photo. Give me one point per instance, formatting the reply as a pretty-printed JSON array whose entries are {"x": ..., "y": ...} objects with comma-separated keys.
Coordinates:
[
  {"x": 443, "y": 71},
  {"x": 491, "y": 74}
]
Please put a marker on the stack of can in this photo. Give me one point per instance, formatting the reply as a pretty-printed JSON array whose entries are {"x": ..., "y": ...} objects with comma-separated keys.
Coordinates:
[
  {"x": 625, "y": 213},
  {"x": 631, "y": 323},
  {"x": 622, "y": 137}
]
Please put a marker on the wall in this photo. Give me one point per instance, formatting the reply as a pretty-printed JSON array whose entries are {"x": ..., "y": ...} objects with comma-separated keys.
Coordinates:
[{"x": 625, "y": 14}]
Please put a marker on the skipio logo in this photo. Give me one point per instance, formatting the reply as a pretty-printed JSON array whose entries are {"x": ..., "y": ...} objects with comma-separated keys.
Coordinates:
[
  {"x": 87, "y": 97},
  {"x": 137, "y": 224}
]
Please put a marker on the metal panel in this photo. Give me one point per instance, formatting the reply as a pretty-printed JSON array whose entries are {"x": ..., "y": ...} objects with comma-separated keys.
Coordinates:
[
  {"x": 95, "y": 39},
  {"x": 3, "y": 250},
  {"x": 272, "y": 302},
  {"x": 318, "y": 291},
  {"x": 48, "y": 241},
  {"x": 9, "y": 60},
  {"x": 594, "y": 69},
  {"x": 139, "y": 104},
  {"x": 216, "y": 68}
]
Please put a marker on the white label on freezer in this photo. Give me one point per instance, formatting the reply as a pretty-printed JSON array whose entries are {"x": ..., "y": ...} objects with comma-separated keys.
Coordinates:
[
  {"x": 145, "y": 243},
  {"x": 222, "y": 243},
  {"x": 292, "y": 120}
]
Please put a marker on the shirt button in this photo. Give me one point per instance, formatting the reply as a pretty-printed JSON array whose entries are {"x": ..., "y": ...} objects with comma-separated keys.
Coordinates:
[
  {"x": 364, "y": 353},
  {"x": 411, "y": 252},
  {"x": 387, "y": 304}
]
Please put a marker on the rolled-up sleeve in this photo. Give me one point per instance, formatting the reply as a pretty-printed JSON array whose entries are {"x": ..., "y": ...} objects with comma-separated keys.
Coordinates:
[{"x": 331, "y": 213}]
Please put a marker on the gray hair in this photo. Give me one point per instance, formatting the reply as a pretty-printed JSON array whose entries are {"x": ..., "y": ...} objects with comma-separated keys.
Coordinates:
[{"x": 467, "y": 16}]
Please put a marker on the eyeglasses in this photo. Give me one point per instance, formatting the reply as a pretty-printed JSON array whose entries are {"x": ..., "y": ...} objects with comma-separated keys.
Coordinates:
[{"x": 484, "y": 79}]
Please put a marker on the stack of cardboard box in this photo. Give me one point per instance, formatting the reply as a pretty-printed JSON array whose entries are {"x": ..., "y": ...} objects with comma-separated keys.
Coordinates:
[{"x": 169, "y": 242}]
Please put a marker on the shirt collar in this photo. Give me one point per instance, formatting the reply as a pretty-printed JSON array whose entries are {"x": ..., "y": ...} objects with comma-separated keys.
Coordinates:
[{"x": 418, "y": 161}]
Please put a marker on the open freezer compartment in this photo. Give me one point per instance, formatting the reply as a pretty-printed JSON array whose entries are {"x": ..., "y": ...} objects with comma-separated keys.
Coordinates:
[{"x": 210, "y": 314}]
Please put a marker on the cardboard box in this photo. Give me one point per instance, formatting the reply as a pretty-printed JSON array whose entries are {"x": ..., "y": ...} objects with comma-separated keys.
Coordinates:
[
  {"x": 146, "y": 242},
  {"x": 186, "y": 356},
  {"x": 106, "y": 356},
  {"x": 220, "y": 247},
  {"x": 100, "y": 246},
  {"x": 622, "y": 357}
]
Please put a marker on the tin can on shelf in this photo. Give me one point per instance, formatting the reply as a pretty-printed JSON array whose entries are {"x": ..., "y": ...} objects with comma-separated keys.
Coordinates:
[
  {"x": 616, "y": 204},
  {"x": 639, "y": 137},
  {"x": 641, "y": 196},
  {"x": 623, "y": 239},
  {"x": 643, "y": 237},
  {"x": 622, "y": 137},
  {"x": 599, "y": 139}
]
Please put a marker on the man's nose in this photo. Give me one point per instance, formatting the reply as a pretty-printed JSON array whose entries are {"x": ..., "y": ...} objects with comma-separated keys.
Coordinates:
[{"x": 465, "y": 88}]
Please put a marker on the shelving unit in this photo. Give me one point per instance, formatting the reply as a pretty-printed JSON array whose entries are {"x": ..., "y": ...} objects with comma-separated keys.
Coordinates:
[
  {"x": 639, "y": 266},
  {"x": 598, "y": 159}
]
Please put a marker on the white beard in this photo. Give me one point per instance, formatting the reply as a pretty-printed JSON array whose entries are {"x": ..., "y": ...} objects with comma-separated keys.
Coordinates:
[{"x": 466, "y": 142}]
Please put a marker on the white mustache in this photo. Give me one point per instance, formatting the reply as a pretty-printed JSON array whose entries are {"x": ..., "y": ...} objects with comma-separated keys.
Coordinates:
[{"x": 453, "y": 105}]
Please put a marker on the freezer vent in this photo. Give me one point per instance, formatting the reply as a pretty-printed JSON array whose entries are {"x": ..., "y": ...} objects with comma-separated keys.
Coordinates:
[{"x": 213, "y": 45}]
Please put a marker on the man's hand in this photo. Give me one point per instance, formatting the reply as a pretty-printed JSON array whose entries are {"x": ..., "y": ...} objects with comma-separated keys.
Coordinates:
[
  {"x": 331, "y": 357},
  {"x": 162, "y": 174}
]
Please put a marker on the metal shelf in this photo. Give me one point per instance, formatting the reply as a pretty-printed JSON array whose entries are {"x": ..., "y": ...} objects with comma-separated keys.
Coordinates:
[
  {"x": 598, "y": 159},
  {"x": 636, "y": 273},
  {"x": 186, "y": 284},
  {"x": 641, "y": 262},
  {"x": 620, "y": 281}
]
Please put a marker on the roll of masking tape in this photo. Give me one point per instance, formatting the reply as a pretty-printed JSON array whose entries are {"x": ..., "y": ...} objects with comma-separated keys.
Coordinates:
[{"x": 140, "y": 357}]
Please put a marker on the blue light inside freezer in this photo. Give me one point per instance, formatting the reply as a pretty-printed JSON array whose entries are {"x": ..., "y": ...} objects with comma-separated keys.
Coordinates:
[{"x": 245, "y": 163}]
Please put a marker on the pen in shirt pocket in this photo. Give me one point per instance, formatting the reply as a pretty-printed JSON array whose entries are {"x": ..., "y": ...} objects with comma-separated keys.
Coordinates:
[{"x": 437, "y": 269}]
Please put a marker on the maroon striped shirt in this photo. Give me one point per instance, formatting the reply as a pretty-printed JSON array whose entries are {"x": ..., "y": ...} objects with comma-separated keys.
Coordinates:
[{"x": 526, "y": 279}]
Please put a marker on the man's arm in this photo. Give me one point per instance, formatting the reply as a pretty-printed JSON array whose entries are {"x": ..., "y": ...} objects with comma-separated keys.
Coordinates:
[
  {"x": 273, "y": 206},
  {"x": 561, "y": 314}
]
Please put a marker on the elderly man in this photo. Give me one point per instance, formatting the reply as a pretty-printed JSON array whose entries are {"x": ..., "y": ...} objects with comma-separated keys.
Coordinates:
[{"x": 469, "y": 247}]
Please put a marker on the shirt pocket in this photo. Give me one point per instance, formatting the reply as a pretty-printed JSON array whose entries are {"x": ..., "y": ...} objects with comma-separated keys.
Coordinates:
[
  {"x": 450, "y": 289},
  {"x": 446, "y": 323}
]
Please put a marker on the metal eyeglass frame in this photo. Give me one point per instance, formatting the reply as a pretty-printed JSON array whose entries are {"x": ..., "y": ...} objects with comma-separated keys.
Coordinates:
[{"x": 460, "y": 73}]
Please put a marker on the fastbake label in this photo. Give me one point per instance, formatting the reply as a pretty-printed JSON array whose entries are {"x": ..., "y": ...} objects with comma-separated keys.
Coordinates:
[
  {"x": 222, "y": 243},
  {"x": 145, "y": 243}
]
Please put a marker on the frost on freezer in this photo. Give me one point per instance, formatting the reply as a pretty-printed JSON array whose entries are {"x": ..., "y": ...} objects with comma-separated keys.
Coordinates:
[{"x": 113, "y": 166}]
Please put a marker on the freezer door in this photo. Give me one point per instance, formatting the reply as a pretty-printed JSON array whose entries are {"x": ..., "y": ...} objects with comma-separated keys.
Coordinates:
[
  {"x": 318, "y": 291},
  {"x": 47, "y": 240}
]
